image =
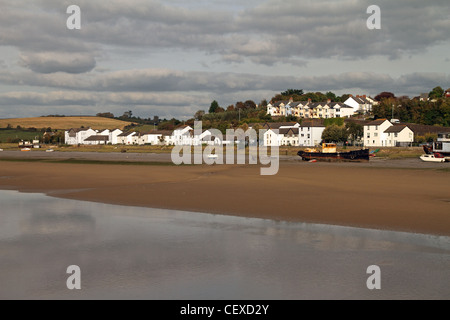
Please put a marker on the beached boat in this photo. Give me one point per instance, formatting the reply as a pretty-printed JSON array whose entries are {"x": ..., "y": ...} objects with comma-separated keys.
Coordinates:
[
  {"x": 50, "y": 150},
  {"x": 25, "y": 149},
  {"x": 329, "y": 153},
  {"x": 435, "y": 157}
]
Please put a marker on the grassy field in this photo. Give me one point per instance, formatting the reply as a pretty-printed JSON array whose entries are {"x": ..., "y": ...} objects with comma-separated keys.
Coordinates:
[
  {"x": 19, "y": 134},
  {"x": 65, "y": 123}
]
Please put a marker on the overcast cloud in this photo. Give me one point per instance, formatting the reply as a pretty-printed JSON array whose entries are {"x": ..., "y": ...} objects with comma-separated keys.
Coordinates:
[{"x": 171, "y": 58}]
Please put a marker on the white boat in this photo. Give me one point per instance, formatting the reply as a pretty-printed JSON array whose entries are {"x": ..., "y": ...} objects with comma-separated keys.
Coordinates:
[
  {"x": 26, "y": 149},
  {"x": 431, "y": 158},
  {"x": 1, "y": 150},
  {"x": 49, "y": 150}
]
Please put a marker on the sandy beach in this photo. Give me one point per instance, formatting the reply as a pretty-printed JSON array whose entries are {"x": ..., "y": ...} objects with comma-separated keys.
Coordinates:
[{"x": 392, "y": 197}]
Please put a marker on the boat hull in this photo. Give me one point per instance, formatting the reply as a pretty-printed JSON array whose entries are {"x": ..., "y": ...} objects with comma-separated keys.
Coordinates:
[{"x": 354, "y": 156}]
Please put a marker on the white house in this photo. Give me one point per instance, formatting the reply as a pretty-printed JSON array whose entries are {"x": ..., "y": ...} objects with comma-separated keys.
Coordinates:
[
  {"x": 272, "y": 139},
  {"x": 182, "y": 136},
  {"x": 360, "y": 104},
  {"x": 382, "y": 133},
  {"x": 374, "y": 133},
  {"x": 278, "y": 108},
  {"x": 96, "y": 140},
  {"x": 340, "y": 110},
  {"x": 113, "y": 136},
  {"x": 156, "y": 137},
  {"x": 399, "y": 136},
  {"x": 310, "y": 135},
  {"x": 125, "y": 138},
  {"x": 77, "y": 136},
  {"x": 289, "y": 136}
]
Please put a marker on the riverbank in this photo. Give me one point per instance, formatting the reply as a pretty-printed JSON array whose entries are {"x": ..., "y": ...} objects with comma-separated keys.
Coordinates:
[{"x": 351, "y": 194}]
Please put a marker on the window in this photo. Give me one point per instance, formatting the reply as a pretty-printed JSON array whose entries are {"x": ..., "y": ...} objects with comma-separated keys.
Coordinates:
[
  {"x": 368, "y": 134},
  {"x": 309, "y": 136},
  {"x": 375, "y": 134},
  {"x": 396, "y": 135}
]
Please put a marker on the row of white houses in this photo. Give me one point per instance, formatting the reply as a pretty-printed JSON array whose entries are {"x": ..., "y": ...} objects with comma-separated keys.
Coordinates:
[
  {"x": 321, "y": 110},
  {"x": 180, "y": 136},
  {"x": 379, "y": 133}
]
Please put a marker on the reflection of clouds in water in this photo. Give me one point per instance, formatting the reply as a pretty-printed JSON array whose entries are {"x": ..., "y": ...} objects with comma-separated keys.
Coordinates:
[
  {"x": 130, "y": 252},
  {"x": 53, "y": 223}
]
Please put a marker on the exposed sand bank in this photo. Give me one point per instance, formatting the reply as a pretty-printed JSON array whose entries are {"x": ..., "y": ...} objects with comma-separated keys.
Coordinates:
[{"x": 343, "y": 194}]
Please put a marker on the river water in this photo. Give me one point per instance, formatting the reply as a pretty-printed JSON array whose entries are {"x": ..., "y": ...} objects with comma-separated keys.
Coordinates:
[{"x": 141, "y": 253}]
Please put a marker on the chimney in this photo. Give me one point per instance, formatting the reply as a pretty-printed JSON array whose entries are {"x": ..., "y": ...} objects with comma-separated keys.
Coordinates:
[
  {"x": 328, "y": 101},
  {"x": 364, "y": 96},
  {"x": 309, "y": 100},
  {"x": 357, "y": 96},
  {"x": 350, "y": 95},
  {"x": 291, "y": 99}
]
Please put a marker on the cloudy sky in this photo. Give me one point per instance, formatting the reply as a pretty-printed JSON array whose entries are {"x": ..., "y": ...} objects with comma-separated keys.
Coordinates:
[{"x": 173, "y": 57}]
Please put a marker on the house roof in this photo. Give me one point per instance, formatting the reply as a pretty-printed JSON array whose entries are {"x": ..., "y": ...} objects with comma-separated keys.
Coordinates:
[
  {"x": 126, "y": 134},
  {"x": 395, "y": 129},
  {"x": 277, "y": 125},
  {"x": 285, "y": 131},
  {"x": 277, "y": 104},
  {"x": 76, "y": 130},
  {"x": 97, "y": 138},
  {"x": 297, "y": 103},
  {"x": 376, "y": 122},
  {"x": 159, "y": 132}
]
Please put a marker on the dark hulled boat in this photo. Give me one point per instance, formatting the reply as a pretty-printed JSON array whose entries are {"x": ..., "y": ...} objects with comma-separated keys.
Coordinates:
[{"x": 329, "y": 153}]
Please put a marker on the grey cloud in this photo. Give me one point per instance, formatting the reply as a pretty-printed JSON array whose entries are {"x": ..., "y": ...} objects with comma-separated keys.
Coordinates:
[
  {"x": 51, "y": 62},
  {"x": 130, "y": 84},
  {"x": 275, "y": 31}
]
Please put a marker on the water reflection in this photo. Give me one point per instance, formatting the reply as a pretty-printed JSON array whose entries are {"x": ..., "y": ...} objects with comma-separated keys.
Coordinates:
[{"x": 127, "y": 252}]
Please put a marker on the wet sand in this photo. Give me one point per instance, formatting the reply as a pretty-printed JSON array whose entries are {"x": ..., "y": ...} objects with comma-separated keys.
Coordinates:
[{"x": 393, "y": 195}]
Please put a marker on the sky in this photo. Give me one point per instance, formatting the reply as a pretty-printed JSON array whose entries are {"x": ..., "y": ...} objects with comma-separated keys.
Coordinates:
[{"x": 171, "y": 58}]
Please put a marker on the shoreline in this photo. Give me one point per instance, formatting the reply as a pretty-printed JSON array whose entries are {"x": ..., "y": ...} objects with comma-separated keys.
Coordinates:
[{"x": 397, "y": 199}]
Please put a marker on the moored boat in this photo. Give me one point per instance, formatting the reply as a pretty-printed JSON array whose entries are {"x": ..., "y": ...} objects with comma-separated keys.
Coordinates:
[
  {"x": 329, "y": 153},
  {"x": 435, "y": 157}
]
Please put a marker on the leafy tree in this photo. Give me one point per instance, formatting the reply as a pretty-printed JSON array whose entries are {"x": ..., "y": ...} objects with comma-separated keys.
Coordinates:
[
  {"x": 335, "y": 133},
  {"x": 199, "y": 115},
  {"x": 436, "y": 93},
  {"x": 291, "y": 92},
  {"x": 249, "y": 104},
  {"x": 213, "y": 107},
  {"x": 354, "y": 130},
  {"x": 330, "y": 95},
  {"x": 240, "y": 105},
  {"x": 384, "y": 95},
  {"x": 105, "y": 115},
  {"x": 230, "y": 108}
]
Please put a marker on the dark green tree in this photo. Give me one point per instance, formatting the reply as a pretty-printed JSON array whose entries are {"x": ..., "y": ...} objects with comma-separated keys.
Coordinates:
[
  {"x": 436, "y": 93},
  {"x": 291, "y": 92},
  {"x": 213, "y": 107}
]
